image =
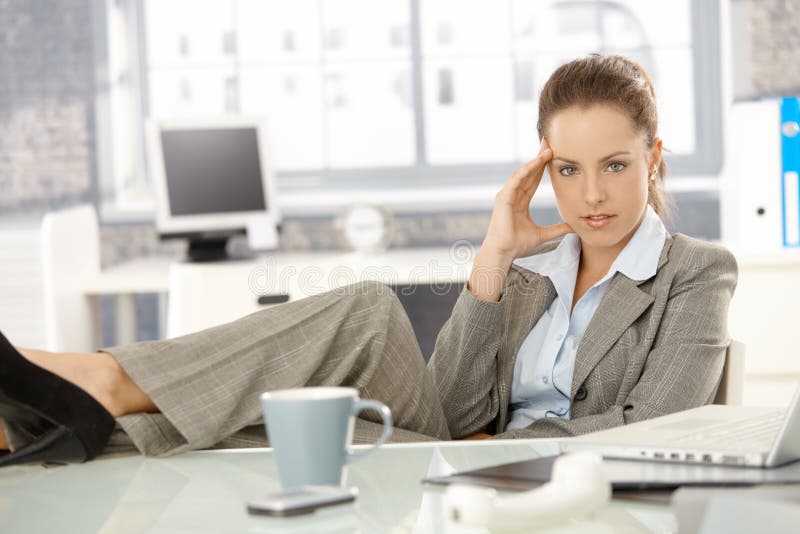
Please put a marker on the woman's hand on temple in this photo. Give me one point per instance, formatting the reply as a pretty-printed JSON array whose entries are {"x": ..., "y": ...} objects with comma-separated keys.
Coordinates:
[{"x": 512, "y": 233}]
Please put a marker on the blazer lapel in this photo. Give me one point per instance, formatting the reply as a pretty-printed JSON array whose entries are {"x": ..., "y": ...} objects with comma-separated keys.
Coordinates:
[{"x": 622, "y": 305}]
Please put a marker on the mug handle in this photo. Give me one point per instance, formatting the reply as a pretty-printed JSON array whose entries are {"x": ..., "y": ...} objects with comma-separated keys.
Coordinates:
[{"x": 386, "y": 414}]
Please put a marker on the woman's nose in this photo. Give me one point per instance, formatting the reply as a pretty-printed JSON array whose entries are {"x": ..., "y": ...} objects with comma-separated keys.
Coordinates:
[{"x": 593, "y": 192}]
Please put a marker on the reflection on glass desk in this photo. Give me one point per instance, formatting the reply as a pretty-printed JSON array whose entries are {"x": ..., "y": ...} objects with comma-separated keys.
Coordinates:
[{"x": 207, "y": 491}]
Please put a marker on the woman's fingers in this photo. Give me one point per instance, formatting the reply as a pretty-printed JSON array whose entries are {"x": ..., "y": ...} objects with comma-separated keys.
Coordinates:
[
  {"x": 526, "y": 179},
  {"x": 531, "y": 184},
  {"x": 546, "y": 233}
]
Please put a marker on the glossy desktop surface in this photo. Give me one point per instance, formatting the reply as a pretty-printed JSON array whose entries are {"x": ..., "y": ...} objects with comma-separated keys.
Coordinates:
[{"x": 207, "y": 491}]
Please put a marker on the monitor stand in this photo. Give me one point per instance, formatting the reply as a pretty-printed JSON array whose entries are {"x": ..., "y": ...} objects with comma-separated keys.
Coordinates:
[
  {"x": 209, "y": 246},
  {"x": 205, "y": 249}
]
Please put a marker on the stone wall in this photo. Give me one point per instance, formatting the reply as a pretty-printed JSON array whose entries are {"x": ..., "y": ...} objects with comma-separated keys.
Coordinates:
[
  {"x": 46, "y": 102},
  {"x": 775, "y": 46}
]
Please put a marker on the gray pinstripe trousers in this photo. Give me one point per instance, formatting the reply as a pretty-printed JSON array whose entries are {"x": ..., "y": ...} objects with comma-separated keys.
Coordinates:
[{"x": 207, "y": 384}]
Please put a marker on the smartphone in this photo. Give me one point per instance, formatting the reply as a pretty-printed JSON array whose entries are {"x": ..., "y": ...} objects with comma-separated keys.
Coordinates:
[{"x": 301, "y": 500}]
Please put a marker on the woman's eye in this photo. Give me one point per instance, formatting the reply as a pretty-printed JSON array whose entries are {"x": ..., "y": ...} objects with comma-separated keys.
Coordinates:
[
  {"x": 566, "y": 171},
  {"x": 616, "y": 166}
]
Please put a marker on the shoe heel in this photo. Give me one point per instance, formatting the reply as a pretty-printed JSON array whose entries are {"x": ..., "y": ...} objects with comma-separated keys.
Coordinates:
[{"x": 59, "y": 443}]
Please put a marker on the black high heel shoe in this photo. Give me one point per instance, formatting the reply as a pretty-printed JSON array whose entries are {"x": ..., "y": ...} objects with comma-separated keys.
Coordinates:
[{"x": 74, "y": 427}]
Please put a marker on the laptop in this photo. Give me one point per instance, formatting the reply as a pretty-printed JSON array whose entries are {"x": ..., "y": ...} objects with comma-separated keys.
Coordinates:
[{"x": 712, "y": 434}]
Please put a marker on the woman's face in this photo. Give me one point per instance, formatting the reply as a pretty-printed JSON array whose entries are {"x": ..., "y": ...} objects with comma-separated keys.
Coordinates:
[{"x": 599, "y": 171}]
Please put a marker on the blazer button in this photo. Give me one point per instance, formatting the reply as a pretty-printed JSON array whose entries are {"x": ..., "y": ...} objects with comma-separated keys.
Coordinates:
[{"x": 580, "y": 394}]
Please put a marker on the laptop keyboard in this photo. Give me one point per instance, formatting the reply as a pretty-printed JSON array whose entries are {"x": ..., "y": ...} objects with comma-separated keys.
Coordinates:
[{"x": 757, "y": 433}]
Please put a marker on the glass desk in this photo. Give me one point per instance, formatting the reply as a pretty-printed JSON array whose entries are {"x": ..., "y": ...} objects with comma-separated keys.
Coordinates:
[{"x": 207, "y": 491}]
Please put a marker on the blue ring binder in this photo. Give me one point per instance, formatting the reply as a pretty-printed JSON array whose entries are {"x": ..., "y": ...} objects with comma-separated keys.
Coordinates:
[{"x": 790, "y": 175}]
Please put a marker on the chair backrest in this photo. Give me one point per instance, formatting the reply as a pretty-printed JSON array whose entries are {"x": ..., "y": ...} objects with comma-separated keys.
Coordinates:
[
  {"x": 21, "y": 297},
  {"x": 731, "y": 386},
  {"x": 70, "y": 255}
]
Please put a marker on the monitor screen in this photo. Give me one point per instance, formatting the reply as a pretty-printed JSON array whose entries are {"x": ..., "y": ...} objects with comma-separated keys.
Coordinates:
[{"x": 211, "y": 171}]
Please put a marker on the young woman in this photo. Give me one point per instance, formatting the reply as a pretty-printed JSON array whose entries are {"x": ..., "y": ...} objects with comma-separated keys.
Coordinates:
[{"x": 598, "y": 321}]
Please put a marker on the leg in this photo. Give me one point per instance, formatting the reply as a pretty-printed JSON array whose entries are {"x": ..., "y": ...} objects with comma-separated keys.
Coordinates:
[
  {"x": 358, "y": 336},
  {"x": 97, "y": 373},
  {"x": 207, "y": 385}
]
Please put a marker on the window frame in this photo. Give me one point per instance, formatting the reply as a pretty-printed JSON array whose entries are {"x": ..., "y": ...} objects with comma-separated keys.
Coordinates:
[{"x": 696, "y": 171}]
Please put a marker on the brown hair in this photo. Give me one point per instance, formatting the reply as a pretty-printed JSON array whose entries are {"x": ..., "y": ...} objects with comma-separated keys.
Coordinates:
[{"x": 613, "y": 80}]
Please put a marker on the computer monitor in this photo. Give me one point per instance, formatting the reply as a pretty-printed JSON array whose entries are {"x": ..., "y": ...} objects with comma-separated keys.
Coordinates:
[{"x": 211, "y": 177}]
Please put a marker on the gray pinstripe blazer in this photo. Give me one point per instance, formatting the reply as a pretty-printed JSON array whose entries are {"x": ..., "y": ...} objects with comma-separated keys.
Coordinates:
[{"x": 653, "y": 347}]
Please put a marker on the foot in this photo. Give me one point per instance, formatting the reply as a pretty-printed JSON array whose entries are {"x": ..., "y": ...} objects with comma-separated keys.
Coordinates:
[{"x": 99, "y": 375}]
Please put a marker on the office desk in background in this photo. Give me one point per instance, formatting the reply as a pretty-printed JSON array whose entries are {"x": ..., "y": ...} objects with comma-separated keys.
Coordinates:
[
  {"x": 207, "y": 491},
  {"x": 124, "y": 282},
  {"x": 206, "y": 294}
]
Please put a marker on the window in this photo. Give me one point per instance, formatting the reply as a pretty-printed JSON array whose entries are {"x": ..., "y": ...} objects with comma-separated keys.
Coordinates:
[{"x": 363, "y": 95}]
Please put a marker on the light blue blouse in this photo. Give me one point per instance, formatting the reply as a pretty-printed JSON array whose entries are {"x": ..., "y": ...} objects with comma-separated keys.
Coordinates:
[{"x": 546, "y": 359}]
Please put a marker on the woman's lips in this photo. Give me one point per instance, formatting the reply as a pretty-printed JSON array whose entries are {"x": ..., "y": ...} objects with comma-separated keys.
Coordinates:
[{"x": 598, "y": 222}]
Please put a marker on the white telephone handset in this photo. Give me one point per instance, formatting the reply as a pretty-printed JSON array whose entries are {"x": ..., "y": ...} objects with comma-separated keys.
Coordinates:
[{"x": 577, "y": 487}]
